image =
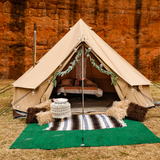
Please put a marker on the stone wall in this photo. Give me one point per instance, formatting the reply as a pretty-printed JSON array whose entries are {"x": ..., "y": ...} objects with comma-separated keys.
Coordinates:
[{"x": 131, "y": 27}]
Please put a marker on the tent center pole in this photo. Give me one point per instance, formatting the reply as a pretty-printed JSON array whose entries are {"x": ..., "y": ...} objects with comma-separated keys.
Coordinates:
[
  {"x": 82, "y": 145},
  {"x": 83, "y": 77}
]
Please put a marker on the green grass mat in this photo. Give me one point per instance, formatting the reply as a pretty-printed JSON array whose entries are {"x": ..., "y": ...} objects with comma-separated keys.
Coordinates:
[{"x": 34, "y": 138}]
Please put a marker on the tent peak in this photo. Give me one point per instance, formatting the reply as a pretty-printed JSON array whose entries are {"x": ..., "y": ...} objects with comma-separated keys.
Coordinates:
[{"x": 80, "y": 23}]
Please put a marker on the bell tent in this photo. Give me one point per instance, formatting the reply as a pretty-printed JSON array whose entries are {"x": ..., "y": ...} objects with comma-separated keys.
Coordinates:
[{"x": 100, "y": 64}]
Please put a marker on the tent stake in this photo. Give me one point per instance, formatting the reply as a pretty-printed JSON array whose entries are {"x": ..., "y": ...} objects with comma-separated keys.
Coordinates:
[
  {"x": 34, "y": 46},
  {"x": 82, "y": 145}
]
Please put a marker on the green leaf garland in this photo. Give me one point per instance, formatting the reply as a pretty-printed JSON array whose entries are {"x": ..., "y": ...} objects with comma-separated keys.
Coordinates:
[
  {"x": 73, "y": 63},
  {"x": 114, "y": 76}
]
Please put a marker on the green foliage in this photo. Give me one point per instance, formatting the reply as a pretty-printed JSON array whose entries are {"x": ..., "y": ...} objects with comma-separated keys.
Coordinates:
[
  {"x": 114, "y": 76},
  {"x": 73, "y": 63}
]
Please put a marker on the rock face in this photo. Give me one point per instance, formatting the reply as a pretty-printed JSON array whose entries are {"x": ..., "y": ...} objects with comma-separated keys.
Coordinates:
[{"x": 131, "y": 27}]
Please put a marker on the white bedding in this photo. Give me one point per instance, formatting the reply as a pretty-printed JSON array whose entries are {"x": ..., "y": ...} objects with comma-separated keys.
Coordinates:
[{"x": 77, "y": 90}]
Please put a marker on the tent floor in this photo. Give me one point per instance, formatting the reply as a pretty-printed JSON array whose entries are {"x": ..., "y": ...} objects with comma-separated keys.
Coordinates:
[{"x": 91, "y": 103}]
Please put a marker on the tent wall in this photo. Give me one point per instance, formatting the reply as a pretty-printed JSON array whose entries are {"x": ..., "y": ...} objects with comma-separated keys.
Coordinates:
[
  {"x": 30, "y": 100},
  {"x": 48, "y": 92},
  {"x": 125, "y": 91}
]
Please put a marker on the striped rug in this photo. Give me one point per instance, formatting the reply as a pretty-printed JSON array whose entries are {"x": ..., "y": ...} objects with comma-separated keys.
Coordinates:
[{"x": 85, "y": 122}]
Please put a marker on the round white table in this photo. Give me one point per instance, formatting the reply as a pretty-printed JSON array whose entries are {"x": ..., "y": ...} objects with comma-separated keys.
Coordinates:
[{"x": 60, "y": 110}]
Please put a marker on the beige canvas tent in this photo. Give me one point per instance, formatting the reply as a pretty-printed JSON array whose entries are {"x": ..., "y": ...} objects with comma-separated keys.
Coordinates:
[{"x": 35, "y": 85}]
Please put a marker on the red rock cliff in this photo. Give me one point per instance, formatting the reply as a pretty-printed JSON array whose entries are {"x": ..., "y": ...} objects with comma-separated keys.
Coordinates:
[{"x": 131, "y": 27}]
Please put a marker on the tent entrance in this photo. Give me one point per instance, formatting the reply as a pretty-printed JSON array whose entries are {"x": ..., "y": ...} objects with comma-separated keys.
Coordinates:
[
  {"x": 100, "y": 92},
  {"x": 91, "y": 102}
]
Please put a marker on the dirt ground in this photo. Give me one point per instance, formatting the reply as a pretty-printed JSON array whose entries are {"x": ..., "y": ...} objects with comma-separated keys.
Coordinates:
[{"x": 11, "y": 128}]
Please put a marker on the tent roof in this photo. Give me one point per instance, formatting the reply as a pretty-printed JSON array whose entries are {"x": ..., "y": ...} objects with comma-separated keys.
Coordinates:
[{"x": 53, "y": 58}]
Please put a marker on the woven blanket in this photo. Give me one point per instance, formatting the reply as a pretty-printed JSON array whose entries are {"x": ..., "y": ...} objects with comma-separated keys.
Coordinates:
[{"x": 85, "y": 122}]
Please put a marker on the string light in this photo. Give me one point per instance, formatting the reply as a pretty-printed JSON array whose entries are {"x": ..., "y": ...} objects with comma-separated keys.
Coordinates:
[
  {"x": 101, "y": 65},
  {"x": 132, "y": 90},
  {"x": 89, "y": 49},
  {"x": 79, "y": 39},
  {"x": 33, "y": 93},
  {"x": 85, "y": 38},
  {"x": 147, "y": 104}
]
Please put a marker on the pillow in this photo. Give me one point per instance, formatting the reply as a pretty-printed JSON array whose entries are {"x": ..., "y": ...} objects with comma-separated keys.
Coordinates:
[
  {"x": 121, "y": 104},
  {"x": 44, "y": 117},
  {"x": 117, "y": 113},
  {"x": 87, "y": 83},
  {"x": 136, "y": 112},
  {"x": 31, "y": 114},
  {"x": 45, "y": 104},
  {"x": 77, "y": 82},
  {"x": 66, "y": 82}
]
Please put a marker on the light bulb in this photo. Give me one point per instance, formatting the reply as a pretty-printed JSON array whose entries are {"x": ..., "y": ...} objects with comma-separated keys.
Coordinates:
[
  {"x": 75, "y": 49},
  {"x": 101, "y": 65},
  {"x": 79, "y": 39},
  {"x": 147, "y": 104},
  {"x": 33, "y": 93},
  {"x": 85, "y": 38},
  {"x": 132, "y": 90},
  {"x": 89, "y": 49}
]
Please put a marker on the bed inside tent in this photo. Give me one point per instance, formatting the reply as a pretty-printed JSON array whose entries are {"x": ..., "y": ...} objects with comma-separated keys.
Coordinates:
[{"x": 99, "y": 92}]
